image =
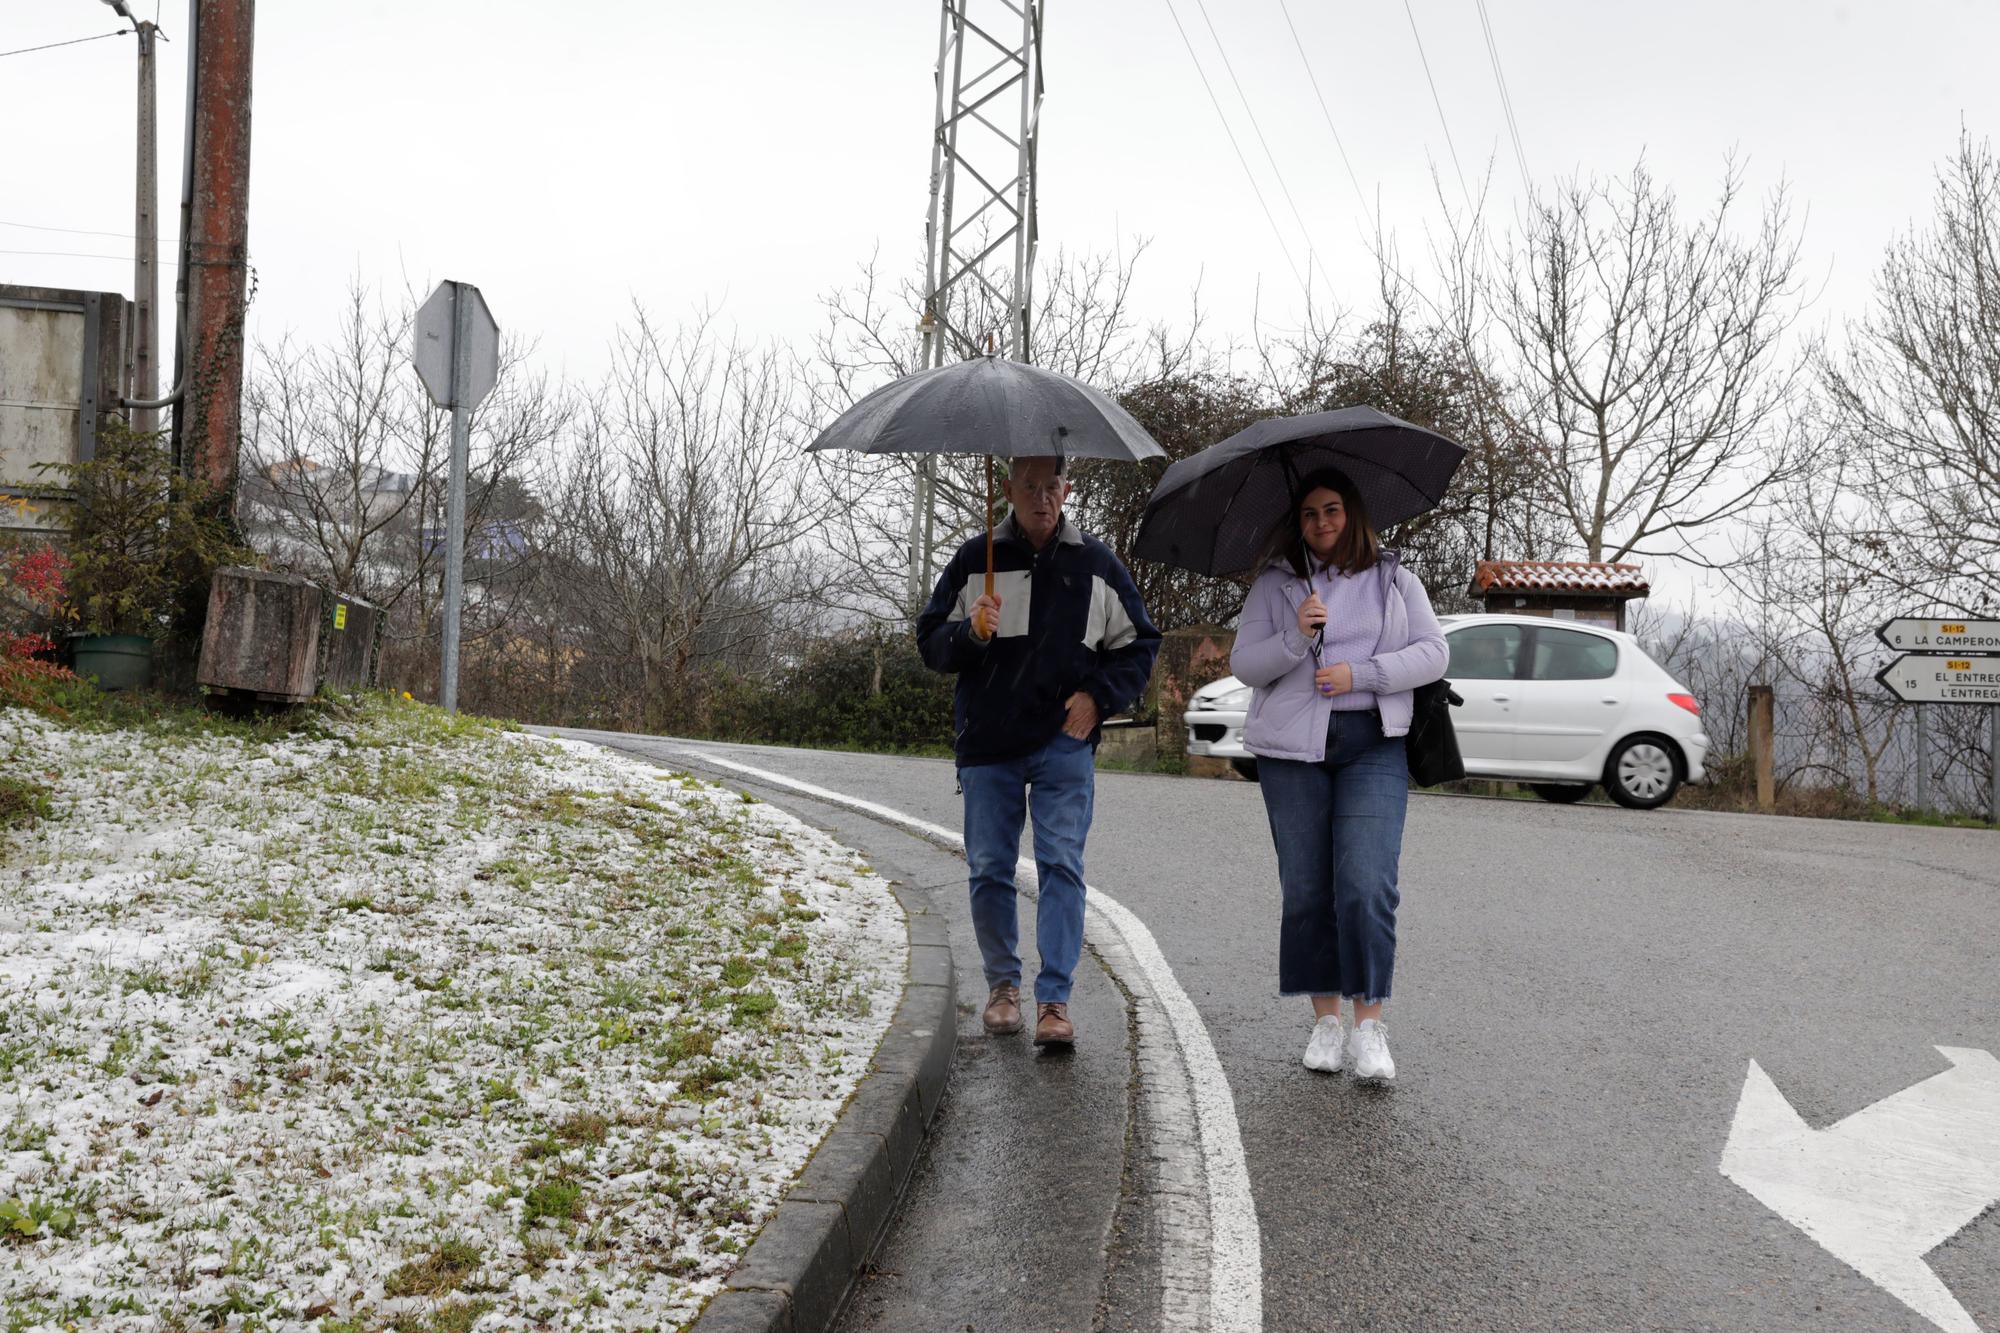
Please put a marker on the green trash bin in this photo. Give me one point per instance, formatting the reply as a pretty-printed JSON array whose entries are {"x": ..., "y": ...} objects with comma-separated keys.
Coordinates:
[{"x": 115, "y": 661}]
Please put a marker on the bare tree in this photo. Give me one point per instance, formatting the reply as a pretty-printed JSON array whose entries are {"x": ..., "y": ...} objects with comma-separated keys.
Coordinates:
[
  {"x": 516, "y": 435},
  {"x": 684, "y": 519},
  {"x": 1643, "y": 357},
  {"x": 347, "y": 477},
  {"x": 333, "y": 447},
  {"x": 1921, "y": 384},
  {"x": 1832, "y": 606},
  {"x": 1083, "y": 327},
  {"x": 1430, "y": 375}
]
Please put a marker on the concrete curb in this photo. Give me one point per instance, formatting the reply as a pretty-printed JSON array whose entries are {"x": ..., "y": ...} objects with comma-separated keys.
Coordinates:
[{"x": 796, "y": 1276}]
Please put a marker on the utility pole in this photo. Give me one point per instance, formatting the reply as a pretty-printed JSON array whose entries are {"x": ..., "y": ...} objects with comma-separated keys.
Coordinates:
[
  {"x": 146, "y": 258},
  {"x": 146, "y": 232},
  {"x": 981, "y": 231},
  {"x": 208, "y": 426}
]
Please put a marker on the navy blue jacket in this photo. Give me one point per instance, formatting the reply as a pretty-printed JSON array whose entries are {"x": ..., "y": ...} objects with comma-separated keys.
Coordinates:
[{"x": 1070, "y": 619}]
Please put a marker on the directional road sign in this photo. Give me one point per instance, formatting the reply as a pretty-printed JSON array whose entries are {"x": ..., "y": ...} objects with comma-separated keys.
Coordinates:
[
  {"x": 1947, "y": 635},
  {"x": 1921, "y": 678},
  {"x": 437, "y": 334}
]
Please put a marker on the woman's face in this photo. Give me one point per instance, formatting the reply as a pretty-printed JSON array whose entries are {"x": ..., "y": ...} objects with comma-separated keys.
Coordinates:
[{"x": 1322, "y": 518}]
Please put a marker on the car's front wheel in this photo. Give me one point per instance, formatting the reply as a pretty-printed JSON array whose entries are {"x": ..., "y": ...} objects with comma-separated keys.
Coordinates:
[
  {"x": 1562, "y": 793},
  {"x": 1642, "y": 773}
]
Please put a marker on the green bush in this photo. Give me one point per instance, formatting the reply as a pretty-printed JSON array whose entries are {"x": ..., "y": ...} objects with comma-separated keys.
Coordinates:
[
  {"x": 866, "y": 690},
  {"x": 142, "y": 538}
]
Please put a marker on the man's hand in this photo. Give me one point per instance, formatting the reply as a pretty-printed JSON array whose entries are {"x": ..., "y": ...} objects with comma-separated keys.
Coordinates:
[
  {"x": 1336, "y": 679},
  {"x": 1312, "y": 615},
  {"x": 1082, "y": 719},
  {"x": 986, "y": 616}
]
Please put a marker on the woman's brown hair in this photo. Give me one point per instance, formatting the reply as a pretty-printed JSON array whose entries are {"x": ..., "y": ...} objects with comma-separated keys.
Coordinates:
[{"x": 1358, "y": 548}]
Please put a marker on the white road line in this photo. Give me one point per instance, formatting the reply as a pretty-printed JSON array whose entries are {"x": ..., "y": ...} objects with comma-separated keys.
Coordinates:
[{"x": 1234, "y": 1298}]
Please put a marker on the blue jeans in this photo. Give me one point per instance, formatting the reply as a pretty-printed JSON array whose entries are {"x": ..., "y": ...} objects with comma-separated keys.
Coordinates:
[
  {"x": 1059, "y": 782},
  {"x": 1338, "y": 828}
]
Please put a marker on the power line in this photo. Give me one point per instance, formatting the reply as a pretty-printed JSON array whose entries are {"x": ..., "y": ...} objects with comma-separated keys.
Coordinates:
[
  {"x": 76, "y": 254},
  {"x": 1359, "y": 193},
  {"x": 74, "y": 41},
  {"x": 1437, "y": 102},
  {"x": 74, "y": 231},
  {"x": 1250, "y": 175},
  {"x": 1269, "y": 156},
  {"x": 1506, "y": 97}
]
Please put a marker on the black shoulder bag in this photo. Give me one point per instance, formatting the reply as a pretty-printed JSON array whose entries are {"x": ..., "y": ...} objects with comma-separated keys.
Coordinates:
[{"x": 1431, "y": 744}]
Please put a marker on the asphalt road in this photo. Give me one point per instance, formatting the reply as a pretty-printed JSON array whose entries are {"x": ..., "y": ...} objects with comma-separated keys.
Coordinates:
[{"x": 1579, "y": 993}]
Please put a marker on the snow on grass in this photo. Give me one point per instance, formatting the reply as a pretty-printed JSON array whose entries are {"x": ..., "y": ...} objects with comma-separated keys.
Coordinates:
[{"x": 410, "y": 1023}]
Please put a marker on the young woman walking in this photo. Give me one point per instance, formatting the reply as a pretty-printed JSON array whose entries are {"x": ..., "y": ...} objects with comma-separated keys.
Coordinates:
[{"x": 1334, "y": 637}]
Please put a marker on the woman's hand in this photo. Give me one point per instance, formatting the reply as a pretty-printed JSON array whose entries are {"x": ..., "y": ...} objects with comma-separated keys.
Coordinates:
[
  {"x": 1334, "y": 680},
  {"x": 1312, "y": 615}
]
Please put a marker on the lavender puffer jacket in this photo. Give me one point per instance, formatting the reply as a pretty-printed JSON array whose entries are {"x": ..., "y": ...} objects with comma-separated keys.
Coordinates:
[{"x": 1288, "y": 716}]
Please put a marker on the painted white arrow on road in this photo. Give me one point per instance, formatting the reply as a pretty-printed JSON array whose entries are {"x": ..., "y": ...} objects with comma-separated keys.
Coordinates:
[{"x": 1887, "y": 1185}]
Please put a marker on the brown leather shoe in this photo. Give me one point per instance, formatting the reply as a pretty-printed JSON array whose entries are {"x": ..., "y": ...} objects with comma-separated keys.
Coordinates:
[
  {"x": 1052, "y": 1026},
  {"x": 1003, "y": 1011}
]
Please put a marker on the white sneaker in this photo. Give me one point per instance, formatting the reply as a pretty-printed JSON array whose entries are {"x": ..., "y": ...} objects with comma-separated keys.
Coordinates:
[
  {"x": 1324, "y": 1051},
  {"x": 1368, "y": 1052}
]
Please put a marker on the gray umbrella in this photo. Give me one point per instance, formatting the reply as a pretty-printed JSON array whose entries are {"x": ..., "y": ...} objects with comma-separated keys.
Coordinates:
[
  {"x": 1214, "y": 512},
  {"x": 992, "y": 406}
]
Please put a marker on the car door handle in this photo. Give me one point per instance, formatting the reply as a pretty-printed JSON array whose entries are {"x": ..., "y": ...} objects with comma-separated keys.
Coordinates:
[
  {"x": 1499, "y": 698},
  {"x": 1611, "y": 699}
]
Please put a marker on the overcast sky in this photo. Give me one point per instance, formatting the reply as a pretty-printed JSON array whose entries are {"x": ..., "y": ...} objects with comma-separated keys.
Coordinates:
[{"x": 569, "y": 158}]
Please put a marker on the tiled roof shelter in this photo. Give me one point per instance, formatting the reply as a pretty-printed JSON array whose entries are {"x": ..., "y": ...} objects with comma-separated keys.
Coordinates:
[{"x": 1591, "y": 590}]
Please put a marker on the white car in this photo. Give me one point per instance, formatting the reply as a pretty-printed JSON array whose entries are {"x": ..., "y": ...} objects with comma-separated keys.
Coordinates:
[
  {"x": 1561, "y": 705},
  {"x": 1214, "y": 721}
]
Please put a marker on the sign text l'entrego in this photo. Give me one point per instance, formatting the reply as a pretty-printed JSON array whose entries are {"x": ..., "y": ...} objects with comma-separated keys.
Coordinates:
[{"x": 1919, "y": 678}]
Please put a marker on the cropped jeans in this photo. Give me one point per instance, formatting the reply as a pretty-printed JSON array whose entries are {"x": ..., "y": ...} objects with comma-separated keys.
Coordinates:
[{"x": 1338, "y": 829}]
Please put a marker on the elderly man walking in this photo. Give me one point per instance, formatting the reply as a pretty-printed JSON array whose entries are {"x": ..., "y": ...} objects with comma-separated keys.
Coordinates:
[{"x": 1062, "y": 643}]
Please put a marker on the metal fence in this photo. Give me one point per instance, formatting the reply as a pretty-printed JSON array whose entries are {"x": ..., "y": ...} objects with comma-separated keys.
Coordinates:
[{"x": 1923, "y": 757}]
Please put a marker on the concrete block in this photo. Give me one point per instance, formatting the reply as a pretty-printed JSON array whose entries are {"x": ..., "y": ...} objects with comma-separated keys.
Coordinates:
[
  {"x": 261, "y": 636},
  {"x": 930, "y": 965},
  {"x": 803, "y": 1253},
  {"x": 889, "y": 1106},
  {"x": 852, "y": 1170},
  {"x": 746, "y": 1312}
]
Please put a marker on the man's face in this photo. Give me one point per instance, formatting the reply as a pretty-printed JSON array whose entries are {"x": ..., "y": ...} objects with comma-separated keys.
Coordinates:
[{"x": 1036, "y": 492}]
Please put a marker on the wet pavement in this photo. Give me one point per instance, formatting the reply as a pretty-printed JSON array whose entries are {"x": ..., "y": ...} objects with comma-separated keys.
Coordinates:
[{"x": 1579, "y": 993}]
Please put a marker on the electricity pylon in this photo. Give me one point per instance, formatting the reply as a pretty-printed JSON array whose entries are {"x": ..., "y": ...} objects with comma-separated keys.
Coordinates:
[{"x": 981, "y": 235}]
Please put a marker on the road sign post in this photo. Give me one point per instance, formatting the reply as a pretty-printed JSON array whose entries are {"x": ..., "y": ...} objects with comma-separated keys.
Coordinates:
[
  {"x": 457, "y": 354},
  {"x": 1923, "y": 743}
]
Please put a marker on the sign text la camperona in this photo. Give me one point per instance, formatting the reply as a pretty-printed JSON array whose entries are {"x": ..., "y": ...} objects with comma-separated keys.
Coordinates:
[{"x": 1909, "y": 635}]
